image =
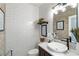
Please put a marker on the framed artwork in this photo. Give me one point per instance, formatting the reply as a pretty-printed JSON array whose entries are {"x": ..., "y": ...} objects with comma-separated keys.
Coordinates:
[
  {"x": 1, "y": 20},
  {"x": 60, "y": 25},
  {"x": 44, "y": 30}
]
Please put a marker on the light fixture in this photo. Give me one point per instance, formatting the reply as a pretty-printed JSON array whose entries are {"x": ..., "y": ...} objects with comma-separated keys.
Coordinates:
[
  {"x": 73, "y": 5},
  {"x": 56, "y": 12},
  {"x": 59, "y": 6},
  {"x": 62, "y": 7}
]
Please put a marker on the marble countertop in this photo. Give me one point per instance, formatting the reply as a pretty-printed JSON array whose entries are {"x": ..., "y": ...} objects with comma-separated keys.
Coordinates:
[{"x": 71, "y": 52}]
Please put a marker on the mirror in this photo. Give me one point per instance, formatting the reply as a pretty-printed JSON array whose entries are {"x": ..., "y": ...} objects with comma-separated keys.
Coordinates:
[
  {"x": 44, "y": 30},
  {"x": 1, "y": 20},
  {"x": 69, "y": 16}
]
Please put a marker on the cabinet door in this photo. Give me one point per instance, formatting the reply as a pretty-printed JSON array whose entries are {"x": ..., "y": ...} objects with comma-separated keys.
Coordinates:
[{"x": 42, "y": 52}]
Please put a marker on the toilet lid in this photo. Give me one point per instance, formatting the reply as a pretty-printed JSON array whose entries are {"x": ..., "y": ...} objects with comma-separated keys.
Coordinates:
[{"x": 33, "y": 51}]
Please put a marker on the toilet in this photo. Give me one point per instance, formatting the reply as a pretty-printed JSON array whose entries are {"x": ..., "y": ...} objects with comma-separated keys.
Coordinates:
[{"x": 33, "y": 52}]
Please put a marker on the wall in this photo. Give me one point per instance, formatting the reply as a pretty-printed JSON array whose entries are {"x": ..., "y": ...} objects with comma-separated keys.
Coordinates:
[
  {"x": 63, "y": 16},
  {"x": 2, "y": 34},
  {"x": 22, "y": 34}
]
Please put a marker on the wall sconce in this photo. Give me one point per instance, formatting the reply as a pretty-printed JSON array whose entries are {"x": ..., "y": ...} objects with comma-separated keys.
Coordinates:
[{"x": 62, "y": 7}]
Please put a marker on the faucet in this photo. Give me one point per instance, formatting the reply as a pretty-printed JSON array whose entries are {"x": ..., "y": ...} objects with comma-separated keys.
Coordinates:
[
  {"x": 67, "y": 43},
  {"x": 68, "y": 40},
  {"x": 52, "y": 37}
]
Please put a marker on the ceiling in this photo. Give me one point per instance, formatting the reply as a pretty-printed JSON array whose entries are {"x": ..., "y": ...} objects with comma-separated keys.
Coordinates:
[
  {"x": 37, "y": 4},
  {"x": 40, "y": 4}
]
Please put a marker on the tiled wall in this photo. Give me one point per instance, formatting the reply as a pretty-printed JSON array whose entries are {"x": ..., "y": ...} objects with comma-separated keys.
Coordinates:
[
  {"x": 2, "y": 6},
  {"x": 63, "y": 16}
]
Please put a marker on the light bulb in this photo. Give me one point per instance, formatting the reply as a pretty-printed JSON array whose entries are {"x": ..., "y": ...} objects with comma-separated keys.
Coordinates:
[
  {"x": 56, "y": 12},
  {"x": 57, "y": 8},
  {"x": 63, "y": 9},
  {"x": 73, "y": 5},
  {"x": 60, "y": 7}
]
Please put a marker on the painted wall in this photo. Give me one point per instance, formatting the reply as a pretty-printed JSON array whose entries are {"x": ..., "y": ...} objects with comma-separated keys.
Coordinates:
[
  {"x": 22, "y": 34},
  {"x": 65, "y": 17},
  {"x": 2, "y": 34}
]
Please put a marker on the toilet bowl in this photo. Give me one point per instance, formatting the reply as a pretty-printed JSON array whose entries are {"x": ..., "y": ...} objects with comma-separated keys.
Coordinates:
[{"x": 33, "y": 52}]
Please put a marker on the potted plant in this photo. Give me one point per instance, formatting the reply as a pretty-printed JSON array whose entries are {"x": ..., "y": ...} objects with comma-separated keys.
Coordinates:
[
  {"x": 76, "y": 31},
  {"x": 41, "y": 21}
]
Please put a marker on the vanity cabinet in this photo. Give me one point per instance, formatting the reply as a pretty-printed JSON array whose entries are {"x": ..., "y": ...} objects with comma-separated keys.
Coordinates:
[{"x": 42, "y": 52}]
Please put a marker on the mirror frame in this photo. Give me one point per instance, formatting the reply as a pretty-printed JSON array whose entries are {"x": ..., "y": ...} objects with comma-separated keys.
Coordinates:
[
  {"x": 3, "y": 25},
  {"x": 44, "y": 30}
]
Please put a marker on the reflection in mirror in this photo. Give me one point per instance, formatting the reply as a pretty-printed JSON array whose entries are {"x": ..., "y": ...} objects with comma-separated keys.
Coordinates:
[
  {"x": 69, "y": 17},
  {"x": 71, "y": 24}
]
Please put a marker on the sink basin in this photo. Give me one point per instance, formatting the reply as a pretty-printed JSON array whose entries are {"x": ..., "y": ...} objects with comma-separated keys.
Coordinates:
[{"x": 57, "y": 47}]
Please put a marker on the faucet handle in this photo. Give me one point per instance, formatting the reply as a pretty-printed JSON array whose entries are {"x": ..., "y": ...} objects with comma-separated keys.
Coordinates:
[
  {"x": 49, "y": 41},
  {"x": 68, "y": 43}
]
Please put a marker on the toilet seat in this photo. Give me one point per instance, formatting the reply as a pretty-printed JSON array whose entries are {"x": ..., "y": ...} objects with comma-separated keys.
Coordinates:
[{"x": 33, "y": 52}]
